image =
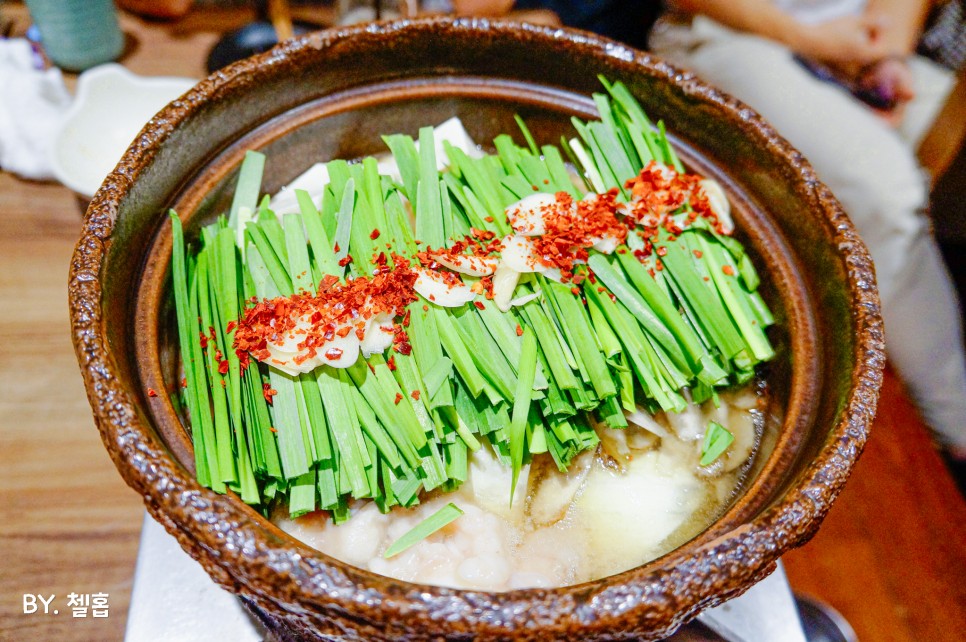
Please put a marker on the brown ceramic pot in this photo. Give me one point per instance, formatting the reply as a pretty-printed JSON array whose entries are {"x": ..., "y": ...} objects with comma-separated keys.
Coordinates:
[{"x": 331, "y": 95}]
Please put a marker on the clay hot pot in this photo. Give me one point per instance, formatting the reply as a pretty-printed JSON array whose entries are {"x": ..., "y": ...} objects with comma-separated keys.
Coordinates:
[{"x": 333, "y": 94}]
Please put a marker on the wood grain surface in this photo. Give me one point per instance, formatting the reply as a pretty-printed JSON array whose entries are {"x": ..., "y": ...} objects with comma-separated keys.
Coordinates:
[
  {"x": 67, "y": 521},
  {"x": 891, "y": 556}
]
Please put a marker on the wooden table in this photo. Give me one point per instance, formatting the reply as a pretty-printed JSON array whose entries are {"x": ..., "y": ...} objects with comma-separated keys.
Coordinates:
[{"x": 891, "y": 555}]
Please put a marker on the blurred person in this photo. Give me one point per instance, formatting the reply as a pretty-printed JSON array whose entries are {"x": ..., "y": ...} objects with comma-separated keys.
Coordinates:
[
  {"x": 839, "y": 80},
  {"x": 622, "y": 20}
]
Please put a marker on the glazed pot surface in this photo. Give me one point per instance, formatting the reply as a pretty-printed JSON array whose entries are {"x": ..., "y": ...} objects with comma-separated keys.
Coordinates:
[{"x": 331, "y": 95}]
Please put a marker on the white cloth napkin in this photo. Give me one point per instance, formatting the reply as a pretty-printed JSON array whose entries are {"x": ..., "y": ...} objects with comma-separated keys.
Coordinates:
[{"x": 32, "y": 106}]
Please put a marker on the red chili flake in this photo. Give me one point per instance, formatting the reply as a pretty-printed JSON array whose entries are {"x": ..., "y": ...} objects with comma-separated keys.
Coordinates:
[
  {"x": 546, "y": 181},
  {"x": 487, "y": 282},
  {"x": 662, "y": 251},
  {"x": 223, "y": 367},
  {"x": 406, "y": 317},
  {"x": 268, "y": 392},
  {"x": 482, "y": 235},
  {"x": 535, "y": 188},
  {"x": 399, "y": 398},
  {"x": 658, "y": 265},
  {"x": 223, "y": 383},
  {"x": 698, "y": 254},
  {"x": 391, "y": 362},
  {"x": 730, "y": 271},
  {"x": 479, "y": 305},
  {"x": 218, "y": 355},
  {"x": 414, "y": 394},
  {"x": 184, "y": 382},
  {"x": 333, "y": 354},
  {"x": 152, "y": 393},
  {"x": 319, "y": 318},
  {"x": 576, "y": 291},
  {"x": 571, "y": 228},
  {"x": 203, "y": 340},
  {"x": 622, "y": 250},
  {"x": 488, "y": 219},
  {"x": 231, "y": 326},
  {"x": 346, "y": 260},
  {"x": 336, "y": 248},
  {"x": 400, "y": 342},
  {"x": 272, "y": 428},
  {"x": 426, "y": 307},
  {"x": 600, "y": 289},
  {"x": 519, "y": 330},
  {"x": 706, "y": 278},
  {"x": 374, "y": 234}
]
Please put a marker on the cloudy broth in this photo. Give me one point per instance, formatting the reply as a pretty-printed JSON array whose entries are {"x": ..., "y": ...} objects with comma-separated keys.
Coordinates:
[{"x": 639, "y": 495}]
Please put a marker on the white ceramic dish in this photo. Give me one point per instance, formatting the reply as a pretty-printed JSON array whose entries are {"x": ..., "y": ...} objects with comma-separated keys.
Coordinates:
[{"x": 111, "y": 107}]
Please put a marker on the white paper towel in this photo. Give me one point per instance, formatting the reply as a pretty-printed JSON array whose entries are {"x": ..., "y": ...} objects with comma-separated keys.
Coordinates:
[{"x": 33, "y": 102}]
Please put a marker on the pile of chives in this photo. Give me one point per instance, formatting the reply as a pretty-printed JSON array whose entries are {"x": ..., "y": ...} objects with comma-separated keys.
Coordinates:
[{"x": 522, "y": 383}]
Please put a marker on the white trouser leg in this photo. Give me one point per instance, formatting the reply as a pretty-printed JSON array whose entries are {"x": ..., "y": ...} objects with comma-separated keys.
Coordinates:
[
  {"x": 924, "y": 340},
  {"x": 873, "y": 172}
]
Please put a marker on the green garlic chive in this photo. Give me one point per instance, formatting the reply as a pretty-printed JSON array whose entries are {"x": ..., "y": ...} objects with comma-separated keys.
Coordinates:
[
  {"x": 445, "y": 515},
  {"x": 716, "y": 441}
]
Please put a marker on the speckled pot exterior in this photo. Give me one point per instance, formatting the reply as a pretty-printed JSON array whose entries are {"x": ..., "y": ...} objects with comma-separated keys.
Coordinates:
[{"x": 331, "y": 94}]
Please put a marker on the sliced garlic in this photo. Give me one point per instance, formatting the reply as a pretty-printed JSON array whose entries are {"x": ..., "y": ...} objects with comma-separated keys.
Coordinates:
[
  {"x": 433, "y": 287},
  {"x": 338, "y": 352},
  {"x": 719, "y": 203},
  {"x": 668, "y": 173},
  {"x": 606, "y": 244},
  {"x": 465, "y": 264},
  {"x": 505, "y": 281},
  {"x": 378, "y": 335},
  {"x": 518, "y": 254},
  {"x": 526, "y": 216},
  {"x": 552, "y": 273}
]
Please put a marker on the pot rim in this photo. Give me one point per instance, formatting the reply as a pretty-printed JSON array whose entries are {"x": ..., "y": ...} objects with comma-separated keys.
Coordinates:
[{"x": 305, "y": 579}]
